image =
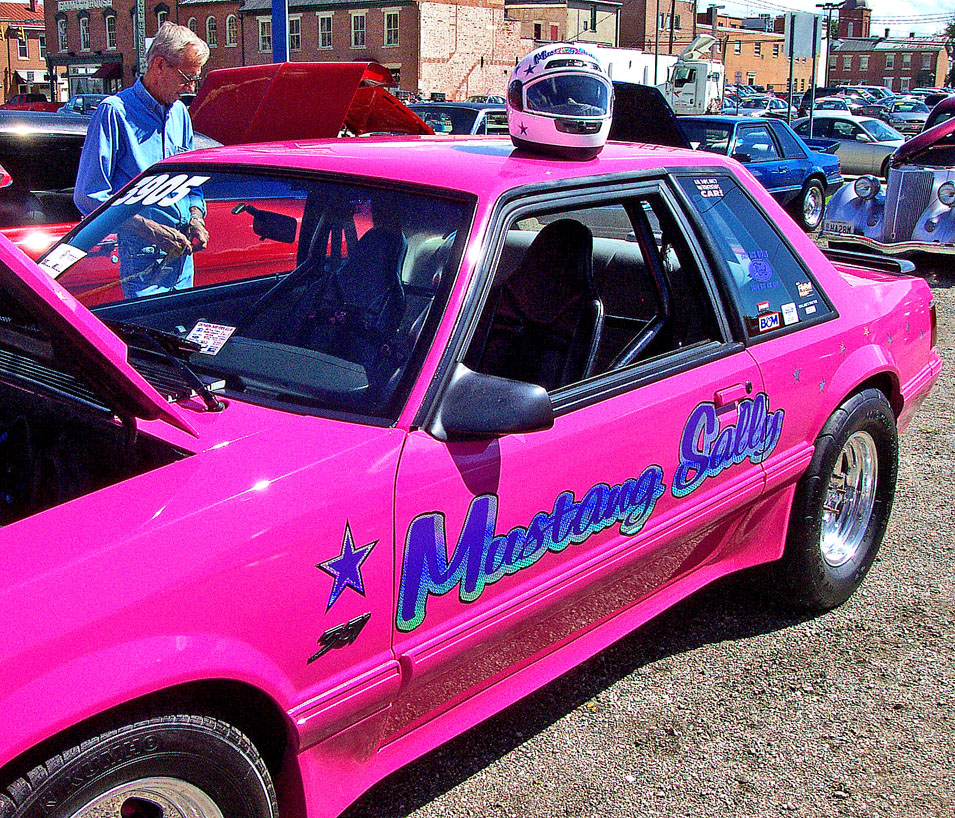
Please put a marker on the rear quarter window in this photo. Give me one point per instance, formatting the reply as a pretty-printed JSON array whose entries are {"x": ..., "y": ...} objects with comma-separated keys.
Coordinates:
[{"x": 772, "y": 289}]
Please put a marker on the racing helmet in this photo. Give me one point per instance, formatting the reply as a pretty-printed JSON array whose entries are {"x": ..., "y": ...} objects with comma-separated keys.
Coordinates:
[{"x": 560, "y": 102}]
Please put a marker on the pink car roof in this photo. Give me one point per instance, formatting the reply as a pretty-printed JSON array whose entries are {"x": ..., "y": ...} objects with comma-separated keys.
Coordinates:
[{"x": 486, "y": 166}]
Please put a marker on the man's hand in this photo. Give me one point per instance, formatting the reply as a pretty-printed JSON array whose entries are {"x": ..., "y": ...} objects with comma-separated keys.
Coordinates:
[
  {"x": 167, "y": 239},
  {"x": 197, "y": 234}
]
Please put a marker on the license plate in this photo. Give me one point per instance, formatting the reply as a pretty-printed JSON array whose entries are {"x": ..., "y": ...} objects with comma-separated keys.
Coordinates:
[{"x": 841, "y": 228}]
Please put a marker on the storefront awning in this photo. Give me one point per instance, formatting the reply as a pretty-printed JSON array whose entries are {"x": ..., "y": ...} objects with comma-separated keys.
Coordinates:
[{"x": 109, "y": 71}]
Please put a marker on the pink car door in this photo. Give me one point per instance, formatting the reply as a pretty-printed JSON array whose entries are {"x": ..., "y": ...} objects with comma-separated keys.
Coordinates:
[{"x": 508, "y": 547}]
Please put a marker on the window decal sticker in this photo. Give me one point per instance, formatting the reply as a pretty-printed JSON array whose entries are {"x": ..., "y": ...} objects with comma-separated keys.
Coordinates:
[
  {"x": 790, "y": 315},
  {"x": 481, "y": 557},
  {"x": 770, "y": 321},
  {"x": 60, "y": 259},
  {"x": 210, "y": 337}
]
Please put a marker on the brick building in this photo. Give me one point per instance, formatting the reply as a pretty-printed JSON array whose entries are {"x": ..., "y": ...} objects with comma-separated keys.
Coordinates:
[
  {"x": 641, "y": 27},
  {"x": 897, "y": 63},
  {"x": 567, "y": 20},
  {"x": 757, "y": 57},
  {"x": 431, "y": 46},
  {"x": 24, "y": 54},
  {"x": 854, "y": 19}
]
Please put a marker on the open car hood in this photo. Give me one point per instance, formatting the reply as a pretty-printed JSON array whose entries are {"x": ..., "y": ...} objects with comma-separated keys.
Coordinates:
[
  {"x": 300, "y": 100},
  {"x": 642, "y": 114},
  {"x": 910, "y": 151},
  {"x": 62, "y": 336}
]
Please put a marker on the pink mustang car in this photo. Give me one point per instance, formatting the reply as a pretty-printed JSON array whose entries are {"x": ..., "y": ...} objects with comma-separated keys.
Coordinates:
[{"x": 446, "y": 420}]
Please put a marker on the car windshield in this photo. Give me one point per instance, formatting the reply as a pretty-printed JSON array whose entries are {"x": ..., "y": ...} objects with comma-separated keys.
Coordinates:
[
  {"x": 910, "y": 108},
  {"x": 831, "y": 105},
  {"x": 317, "y": 294},
  {"x": 447, "y": 119},
  {"x": 879, "y": 131},
  {"x": 706, "y": 136},
  {"x": 754, "y": 103}
]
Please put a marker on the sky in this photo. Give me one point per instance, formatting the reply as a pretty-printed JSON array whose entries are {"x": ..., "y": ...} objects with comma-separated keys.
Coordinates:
[{"x": 899, "y": 16}]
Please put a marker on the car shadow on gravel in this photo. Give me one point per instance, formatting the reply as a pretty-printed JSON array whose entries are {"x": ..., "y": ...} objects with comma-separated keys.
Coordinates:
[{"x": 729, "y": 609}]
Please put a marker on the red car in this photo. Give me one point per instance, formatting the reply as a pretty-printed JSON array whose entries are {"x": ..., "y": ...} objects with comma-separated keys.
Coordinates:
[{"x": 30, "y": 102}]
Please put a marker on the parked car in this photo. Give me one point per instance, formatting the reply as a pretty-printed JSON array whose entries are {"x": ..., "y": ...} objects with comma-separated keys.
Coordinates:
[
  {"x": 486, "y": 98},
  {"x": 942, "y": 112},
  {"x": 303, "y": 526},
  {"x": 463, "y": 117},
  {"x": 798, "y": 178},
  {"x": 905, "y": 115},
  {"x": 83, "y": 104},
  {"x": 842, "y": 104},
  {"x": 865, "y": 144},
  {"x": 29, "y": 102},
  {"x": 913, "y": 212},
  {"x": 765, "y": 107}
]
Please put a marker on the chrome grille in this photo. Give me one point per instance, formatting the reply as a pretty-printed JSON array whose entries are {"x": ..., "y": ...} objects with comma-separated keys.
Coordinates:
[{"x": 907, "y": 194}]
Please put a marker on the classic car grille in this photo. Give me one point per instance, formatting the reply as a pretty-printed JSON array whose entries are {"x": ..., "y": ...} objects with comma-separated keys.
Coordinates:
[{"x": 907, "y": 194}]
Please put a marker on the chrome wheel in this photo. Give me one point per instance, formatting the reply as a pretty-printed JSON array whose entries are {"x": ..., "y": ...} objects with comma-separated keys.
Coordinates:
[
  {"x": 152, "y": 798},
  {"x": 812, "y": 205},
  {"x": 850, "y": 499}
]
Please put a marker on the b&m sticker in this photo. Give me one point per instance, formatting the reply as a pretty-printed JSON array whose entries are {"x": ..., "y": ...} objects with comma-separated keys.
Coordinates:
[{"x": 770, "y": 321}]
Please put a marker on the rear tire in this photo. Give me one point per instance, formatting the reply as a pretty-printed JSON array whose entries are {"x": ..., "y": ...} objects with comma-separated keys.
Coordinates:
[
  {"x": 166, "y": 767},
  {"x": 811, "y": 206},
  {"x": 842, "y": 505},
  {"x": 884, "y": 170}
]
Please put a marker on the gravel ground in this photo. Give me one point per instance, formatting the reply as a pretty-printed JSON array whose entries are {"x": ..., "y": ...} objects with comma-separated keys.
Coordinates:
[{"x": 722, "y": 707}]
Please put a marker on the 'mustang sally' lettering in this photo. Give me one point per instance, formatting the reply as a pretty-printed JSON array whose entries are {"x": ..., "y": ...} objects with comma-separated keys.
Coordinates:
[{"x": 481, "y": 557}]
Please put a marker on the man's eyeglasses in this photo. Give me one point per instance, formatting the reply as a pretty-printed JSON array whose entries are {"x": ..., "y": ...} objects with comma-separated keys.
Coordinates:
[{"x": 189, "y": 80}]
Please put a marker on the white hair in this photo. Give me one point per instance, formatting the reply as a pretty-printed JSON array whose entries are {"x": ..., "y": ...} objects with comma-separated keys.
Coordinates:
[{"x": 171, "y": 41}]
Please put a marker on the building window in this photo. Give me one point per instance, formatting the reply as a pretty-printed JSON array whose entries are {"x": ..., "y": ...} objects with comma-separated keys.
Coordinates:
[
  {"x": 832, "y": 62},
  {"x": 758, "y": 49},
  {"x": 193, "y": 25},
  {"x": 42, "y": 43},
  {"x": 750, "y": 77},
  {"x": 738, "y": 47},
  {"x": 265, "y": 34},
  {"x": 61, "y": 35},
  {"x": 890, "y": 60},
  {"x": 391, "y": 28},
  {"x": 554, "y": 33},
  {"x": 904, "y": 83},
  {"x": 324, "y": 30},
  {"x": 358, "y": 30},
  {"x": 887, "y": 82},
  {"x": 775, "y": 50},
  {"x": 850, "y": 29},
  {"x": 161, "y": 16},
  {"x": 109, "y": 24},
  {"x": 847, "y": 63},
  {"x": 676, "y": 20},
  {"x": 926, "y": 61},
  {"x": 84, "y": 33},
  {"x": 395, "y": 74},
  {"x": 906, "y": 61},
  {"x": 231, "y": 30},
  {"x": 863, "y": 62},
  {"x": 538, "y": 34},
  {"x": 23, "y": 46},
  {"x": 212, "y": 32},
  {"x": 294, "y": 33}
]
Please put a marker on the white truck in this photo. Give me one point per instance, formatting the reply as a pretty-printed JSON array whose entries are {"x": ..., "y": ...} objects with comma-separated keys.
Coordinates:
[
  {"x": 695, "y": 82},
  {"x": 634, "y": 65}
]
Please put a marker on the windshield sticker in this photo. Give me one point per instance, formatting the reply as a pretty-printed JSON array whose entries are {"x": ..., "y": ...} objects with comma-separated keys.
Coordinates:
[
  {"x": 810, "y": 309},
  {"x": 481, "y": 557},
  {"x": 769, "y": 321},
  {"x": 162, "y": 189},
  {"x": 60, "y": 259},
  {"x": 210, "y": 337},
  {"x": 790, "y": 316},
  {"x": 762, "y": 306},
  {"x": 804, "y": 288}
]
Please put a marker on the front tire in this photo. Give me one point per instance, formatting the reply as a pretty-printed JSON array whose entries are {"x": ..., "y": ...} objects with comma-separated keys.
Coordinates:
[
  {"x": 842, "y": 505},
  {"x": 167, "y": 767},
  {"x": 811, "y": 205}
]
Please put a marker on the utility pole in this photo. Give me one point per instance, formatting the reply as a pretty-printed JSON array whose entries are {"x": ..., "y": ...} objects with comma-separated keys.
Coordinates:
[
  {"x": 656, "y": 44},
  {"x": 828, "y": 8},
  {"x": 672, "y": 20}
]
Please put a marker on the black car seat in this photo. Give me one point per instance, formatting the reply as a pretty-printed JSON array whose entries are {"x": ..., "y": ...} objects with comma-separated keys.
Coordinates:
[
  {"x": 359, "y": 308},
  {"x": 545, "y": 321}
]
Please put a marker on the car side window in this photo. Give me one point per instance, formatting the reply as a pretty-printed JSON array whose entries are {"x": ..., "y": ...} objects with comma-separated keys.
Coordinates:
[
  {"x": 792, "y": 149},
  {"x": 584, "y": 291},
  {"x": 842, "y": 130},
  {"x": 770, "y": 286},
  {"x": 757, "y": 142}
]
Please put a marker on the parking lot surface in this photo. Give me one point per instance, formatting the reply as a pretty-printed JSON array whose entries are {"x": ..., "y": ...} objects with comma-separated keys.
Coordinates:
[{"x": 727, "y": 706}]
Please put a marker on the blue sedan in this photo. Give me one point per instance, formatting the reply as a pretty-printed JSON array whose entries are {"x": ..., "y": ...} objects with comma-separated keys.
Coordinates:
[{"x": 797, "y": 176}]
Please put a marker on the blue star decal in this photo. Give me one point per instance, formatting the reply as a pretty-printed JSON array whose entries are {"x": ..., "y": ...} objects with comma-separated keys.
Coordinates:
[
  {"x": 345, "y": 569},
  {"x": 523, "y": 128},
  {"x": 529, "y": 69}
]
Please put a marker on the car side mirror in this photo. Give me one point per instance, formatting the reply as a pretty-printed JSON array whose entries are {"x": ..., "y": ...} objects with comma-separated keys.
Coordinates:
[
  {"x": 863, "y": 137},
  {"x": 476, "y": 406},
  {"x": 740, "y": 156}
]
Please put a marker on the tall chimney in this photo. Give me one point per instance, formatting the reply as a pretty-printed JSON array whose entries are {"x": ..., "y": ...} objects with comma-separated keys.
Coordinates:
[
  {"x": 911, "y": 35},
  {"x": 32, "y": 5},
  {"x": 886, "y": 32}
]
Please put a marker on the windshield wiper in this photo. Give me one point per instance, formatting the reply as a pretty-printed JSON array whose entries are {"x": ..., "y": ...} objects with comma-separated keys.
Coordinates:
[{"x": 173, "y": 349}]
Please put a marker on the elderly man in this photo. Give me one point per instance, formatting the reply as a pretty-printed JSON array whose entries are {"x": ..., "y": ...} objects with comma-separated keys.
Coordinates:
[{"x": 129, "y": 132}]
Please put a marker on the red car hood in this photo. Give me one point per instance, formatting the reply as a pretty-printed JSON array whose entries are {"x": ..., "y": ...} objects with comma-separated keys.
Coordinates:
[
  {"x": 917, "y": 145},
  {"x": 79, "y": 343},
  {"x": 299, "y": 100}
]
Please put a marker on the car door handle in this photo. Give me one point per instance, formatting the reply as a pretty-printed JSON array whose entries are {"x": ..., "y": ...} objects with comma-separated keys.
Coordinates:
[
  {"x": 782, "y": 169},
  {"x": 732, "y": 394}
]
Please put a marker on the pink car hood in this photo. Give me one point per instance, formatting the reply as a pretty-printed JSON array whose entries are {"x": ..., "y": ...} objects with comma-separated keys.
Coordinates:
[
  {"x": 81, "y": 343},
  {"x": 917, "y": 145}
]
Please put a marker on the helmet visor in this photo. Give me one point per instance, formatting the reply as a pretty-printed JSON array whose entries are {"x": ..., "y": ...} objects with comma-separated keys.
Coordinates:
[{"x": 570, "y": 95}]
